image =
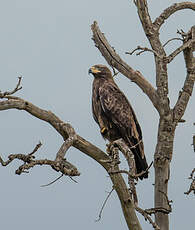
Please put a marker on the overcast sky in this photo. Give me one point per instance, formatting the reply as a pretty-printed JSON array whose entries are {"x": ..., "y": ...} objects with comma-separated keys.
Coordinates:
[{"x": 49, "y": 44}]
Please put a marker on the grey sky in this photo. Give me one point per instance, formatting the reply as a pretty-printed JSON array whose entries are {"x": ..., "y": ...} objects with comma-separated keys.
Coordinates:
[{"x": 49, "y": 44}]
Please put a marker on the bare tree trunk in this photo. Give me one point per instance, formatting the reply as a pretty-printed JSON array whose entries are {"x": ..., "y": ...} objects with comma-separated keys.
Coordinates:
[
  {"x": 162, "y": 159},
  {"x": 169, "y": 118},
  {"x": 168, "y": 121}
]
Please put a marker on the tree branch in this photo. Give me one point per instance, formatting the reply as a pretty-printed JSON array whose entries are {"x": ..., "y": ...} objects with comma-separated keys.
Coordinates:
[
  {"x": 143, "y": 49},
  {"x": 161, "y": 66},
  {"x": 147, "y": 217},
  {"x": 17, "y": 88},
  {"x": 179, "y": 50},
  {"x": 170, "y": 11},
  {"x": 100, "y": 214},
  {"x": 131, "y": 164},
  {"x": 172, "y": 39},
  {"x": 115, "y": 60},
  {"x": 142, "y": 8},
  {"x": 63, "y": 166},
  {"x": 187, "y": 89},
  {"x": 60, "y": 164}
]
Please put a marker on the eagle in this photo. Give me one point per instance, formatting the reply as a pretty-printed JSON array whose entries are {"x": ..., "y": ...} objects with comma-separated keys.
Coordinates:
[{"x": 115, "y": 116}]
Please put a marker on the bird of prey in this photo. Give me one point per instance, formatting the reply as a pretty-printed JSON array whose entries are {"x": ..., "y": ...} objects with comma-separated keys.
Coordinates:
[{"x": 115, "y": 116}]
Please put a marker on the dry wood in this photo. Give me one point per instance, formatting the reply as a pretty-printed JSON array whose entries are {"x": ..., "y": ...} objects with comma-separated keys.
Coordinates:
[
  {"x": 169, "y": 118},
  {"x": 168, "y": 121}
]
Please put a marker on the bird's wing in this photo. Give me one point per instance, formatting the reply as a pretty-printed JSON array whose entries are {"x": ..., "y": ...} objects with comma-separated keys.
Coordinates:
[{"x": 117, "y": 108}]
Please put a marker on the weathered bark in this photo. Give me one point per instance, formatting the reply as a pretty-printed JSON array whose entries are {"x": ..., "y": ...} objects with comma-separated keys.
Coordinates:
[
  {"x": 162, "y": 159},
  {"x": 168, "y": 121},
  {"x": 84, "y": 146},
  {"x": 169, "y": 118}
]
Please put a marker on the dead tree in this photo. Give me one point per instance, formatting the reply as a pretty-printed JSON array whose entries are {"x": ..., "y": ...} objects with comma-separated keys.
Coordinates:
[{"x": 168, "y": 119}]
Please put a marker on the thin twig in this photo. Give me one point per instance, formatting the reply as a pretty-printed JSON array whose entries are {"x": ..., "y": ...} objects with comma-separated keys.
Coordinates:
[
  {"x": 36, "y": 148},
  {"x": 151, "y": 211},
  {"x": 185, "y": 45},
  {"x": 192, "y": 188},
  {"x": 73, "y": 179},
  {"x": 172, "y": 39},
  {"x": 182, "y": 33},
  {"x": 100, "y": 213},
  {"x": 17, "y": 88},
  {"x": 143, "y": 49},
  {"x": 45, "y": 185},
  {"x": 114, "y": 72}
]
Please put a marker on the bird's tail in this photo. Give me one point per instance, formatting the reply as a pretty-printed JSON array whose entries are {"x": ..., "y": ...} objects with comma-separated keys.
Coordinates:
[
  {"x": 140, "y": 160},
  {"x": 141, "y": 164}
]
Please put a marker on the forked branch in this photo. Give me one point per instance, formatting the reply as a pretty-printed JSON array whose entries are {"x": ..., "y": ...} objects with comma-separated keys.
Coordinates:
[
  {"x": 17, "y": 88},
  {"x": 29, "y": 161},
  {"x": 8, "y": 101}
]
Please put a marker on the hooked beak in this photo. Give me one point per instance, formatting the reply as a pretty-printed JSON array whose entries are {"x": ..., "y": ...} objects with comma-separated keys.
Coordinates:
[{"x": 94, "y": 70}]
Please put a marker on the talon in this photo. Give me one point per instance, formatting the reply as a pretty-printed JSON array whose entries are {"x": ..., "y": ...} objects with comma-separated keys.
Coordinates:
[{"x": 103, "y": 130}]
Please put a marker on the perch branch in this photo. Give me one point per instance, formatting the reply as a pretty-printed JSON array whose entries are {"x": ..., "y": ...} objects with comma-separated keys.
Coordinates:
[
  {"x": 131, "y": 163},
  {"x": 81, "y": 144}
]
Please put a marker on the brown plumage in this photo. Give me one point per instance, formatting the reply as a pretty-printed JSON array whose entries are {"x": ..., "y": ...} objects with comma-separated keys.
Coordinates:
[{"x": 115, "y": 116}]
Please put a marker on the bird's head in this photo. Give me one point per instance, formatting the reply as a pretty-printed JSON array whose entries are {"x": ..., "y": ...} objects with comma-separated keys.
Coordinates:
[{"x": 100, "y": 71}]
